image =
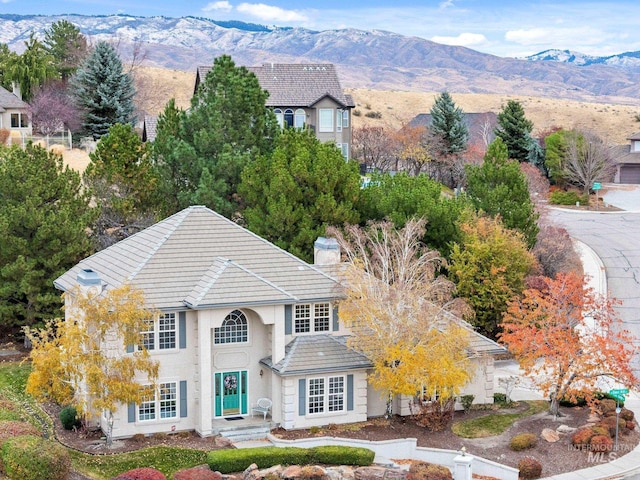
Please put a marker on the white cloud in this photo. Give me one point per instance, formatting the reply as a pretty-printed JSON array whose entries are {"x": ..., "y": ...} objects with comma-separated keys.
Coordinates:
[
  {"x": 270, "y": 13},
  {"x": 446, "y": 4},
  {"x": 463, "y": 40},
  {"x": 218, "y": 6}
]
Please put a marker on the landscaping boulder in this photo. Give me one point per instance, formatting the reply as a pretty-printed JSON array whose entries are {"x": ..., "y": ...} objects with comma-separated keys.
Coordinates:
[
  {"x": 565, "y": 429},
  {"x": 550, "y": 435},
  {"x": 377, "y": 473}
]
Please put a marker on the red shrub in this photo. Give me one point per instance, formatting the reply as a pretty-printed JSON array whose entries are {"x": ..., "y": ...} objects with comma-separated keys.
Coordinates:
[
  {"x": 582, "y": 437},
  {"x": 145, "y": 473},
  {"x": 12, "y": 428},
  {"x": 631, "y": 425},
  {"x": 197, "y": 473},
  {"x": 601, "y": 443},
  {"x": 529, "y": 468},
  {"x": 626, "y": 414}
]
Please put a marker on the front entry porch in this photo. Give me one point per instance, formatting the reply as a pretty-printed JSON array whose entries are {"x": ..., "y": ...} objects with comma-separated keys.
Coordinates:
[{"x": 242, "y": 428}]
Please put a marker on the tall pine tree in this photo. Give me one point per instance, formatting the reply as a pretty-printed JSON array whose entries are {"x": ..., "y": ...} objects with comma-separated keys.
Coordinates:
[
  {"x": 67, "y": 46},
  {"x": 298, "y": 191},
  {"x": 227, "y": 126},
  {"x": 499, "y": 187},
  {"x": 44, "y": 216},
  {"x": 514, "y": 129},
  {"x": 104, "y": 91},
  {"x": 447, "y": 123}
]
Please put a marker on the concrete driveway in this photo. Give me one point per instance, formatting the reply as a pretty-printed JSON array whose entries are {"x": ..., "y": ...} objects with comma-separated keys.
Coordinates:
[{"x": 626, "y": 197}]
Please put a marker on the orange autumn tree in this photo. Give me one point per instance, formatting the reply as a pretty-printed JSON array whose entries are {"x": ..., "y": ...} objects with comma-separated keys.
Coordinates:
[
  {"x": 566, "y": 337},
  {"x": 81, "y": 360},
  {"x": 397, "y": 309}
]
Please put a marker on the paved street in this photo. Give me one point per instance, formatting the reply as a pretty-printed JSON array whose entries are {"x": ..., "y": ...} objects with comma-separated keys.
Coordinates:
[{"x": 615, "y": 237}]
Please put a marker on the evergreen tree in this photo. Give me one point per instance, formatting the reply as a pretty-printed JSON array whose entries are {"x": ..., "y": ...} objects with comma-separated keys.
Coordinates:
[
  {"x": 514, "y": 129},
  {"x": 104, "y": 91},
  {"x": 447, "y": 123},
  {"x": 123, "y": 182},
  {"x": 31, "y": 69},
  {"x": 44, "y": 216},
  {"x": 499, "y": 187},
  {"x": 174, "y": 160},
  {"x": 227, "y": 126},
  {"x": 7, "y": 59},
  {"x": 67, "y": 46},
  {"x": 293, "y": 194},
  {"x": 402, "y": 197}
]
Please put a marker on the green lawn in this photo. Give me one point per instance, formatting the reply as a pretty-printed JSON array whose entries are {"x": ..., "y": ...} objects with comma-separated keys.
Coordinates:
[
  {"x": 495, "y": 423},
  {"x": 166, "y": 459},
  {"x": 13, "y": 379}
]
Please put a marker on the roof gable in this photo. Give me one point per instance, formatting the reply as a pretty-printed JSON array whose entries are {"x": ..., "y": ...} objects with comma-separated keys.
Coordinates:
[
  {"x": 309, "y": 354},
  {"x": 294, "y": 84},
  {"x": 9, "y": 100},
  {"x": 200, "y": 259}
]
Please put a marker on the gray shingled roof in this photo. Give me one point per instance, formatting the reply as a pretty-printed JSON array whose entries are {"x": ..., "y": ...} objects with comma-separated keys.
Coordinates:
[
  {"x": 295, "y": 84},
  {"x": 317, "y": 354},
  {"x": 200, "y": 259},
  {"x": 9, "y": 100}
]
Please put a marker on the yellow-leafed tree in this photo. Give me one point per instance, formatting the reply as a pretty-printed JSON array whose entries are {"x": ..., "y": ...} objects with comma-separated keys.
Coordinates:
[
  {"x": 398, "y": 310},
  {"x": 82, "y": 360}
]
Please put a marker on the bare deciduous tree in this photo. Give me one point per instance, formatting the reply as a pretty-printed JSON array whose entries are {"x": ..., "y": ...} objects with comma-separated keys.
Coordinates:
[
  {"x": 52, "y": 110},
  {"x": 554, "y": 251},
  {"x": 589, "y": 159},
  {"x": 375, "y": 147}
]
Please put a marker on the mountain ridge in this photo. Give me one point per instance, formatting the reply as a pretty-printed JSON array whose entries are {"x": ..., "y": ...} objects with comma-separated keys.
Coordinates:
[{"x": 373, "y": 59}]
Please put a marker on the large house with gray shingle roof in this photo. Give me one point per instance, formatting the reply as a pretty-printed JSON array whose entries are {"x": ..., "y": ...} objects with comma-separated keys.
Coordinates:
[
  {"x": 14, "y": 114},
  {"x": 242, "y": 319},
  {"x": 305, "y": 95}
]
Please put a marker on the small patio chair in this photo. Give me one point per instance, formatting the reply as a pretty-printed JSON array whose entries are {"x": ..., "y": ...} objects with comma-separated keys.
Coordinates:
[{"x": 263, "y": 405}]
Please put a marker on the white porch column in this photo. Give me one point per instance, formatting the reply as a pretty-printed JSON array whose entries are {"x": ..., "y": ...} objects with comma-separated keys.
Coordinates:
[{"x": 203, "y": 422}]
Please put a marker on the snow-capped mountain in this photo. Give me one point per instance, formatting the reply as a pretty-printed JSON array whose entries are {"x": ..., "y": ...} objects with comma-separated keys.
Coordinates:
[
  {"x": 364, "y": 58},
  {"x": 627, "y": 60}
]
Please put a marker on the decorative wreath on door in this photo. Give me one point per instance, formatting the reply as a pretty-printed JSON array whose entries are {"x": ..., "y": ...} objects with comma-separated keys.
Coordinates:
[{"x": 230, "y": 382}]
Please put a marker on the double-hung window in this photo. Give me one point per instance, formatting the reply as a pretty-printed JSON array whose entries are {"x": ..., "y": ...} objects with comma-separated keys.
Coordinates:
[
  {"x": 159, "y": 405},
  {"x": 345, "y": 118},
  {"x": 325, "y": 120},
  {"x": 160, "y": 333},
  {"x": 19, "y": 120},
  {"x": 326, "y": 395},
  {"x": 312, "y": 317}
]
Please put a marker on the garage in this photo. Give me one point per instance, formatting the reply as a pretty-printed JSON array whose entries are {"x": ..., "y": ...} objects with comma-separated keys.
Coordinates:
[{"x": 630, "y": 174}]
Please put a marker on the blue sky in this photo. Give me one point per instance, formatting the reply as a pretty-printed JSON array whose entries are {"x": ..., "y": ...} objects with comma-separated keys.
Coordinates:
[{"x": 505, "y": 28}]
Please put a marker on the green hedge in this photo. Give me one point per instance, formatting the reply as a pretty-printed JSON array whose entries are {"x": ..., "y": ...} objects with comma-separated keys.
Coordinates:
[
  {"x": 339, "y": 455},
  {"x": 28, "y": 457},
  {"x": 237, "y": 460},
  {"x": 560, "y": 197}
]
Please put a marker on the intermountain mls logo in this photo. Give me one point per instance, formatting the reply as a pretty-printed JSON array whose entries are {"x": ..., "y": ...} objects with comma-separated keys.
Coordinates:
[{"x": 596, "y": 453}]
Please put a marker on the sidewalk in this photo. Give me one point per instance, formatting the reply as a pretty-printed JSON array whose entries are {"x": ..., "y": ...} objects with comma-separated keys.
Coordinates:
[{"x": 627, "y": 466}]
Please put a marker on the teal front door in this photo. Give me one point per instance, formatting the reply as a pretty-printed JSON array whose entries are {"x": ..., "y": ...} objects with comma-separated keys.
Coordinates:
[{"x": 230, "y": 393}]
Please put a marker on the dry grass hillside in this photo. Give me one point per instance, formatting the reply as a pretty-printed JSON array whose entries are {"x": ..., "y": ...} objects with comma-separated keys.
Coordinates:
[
  {"x": 614, "y": 122},
  {"x": 610, "y": 121}
]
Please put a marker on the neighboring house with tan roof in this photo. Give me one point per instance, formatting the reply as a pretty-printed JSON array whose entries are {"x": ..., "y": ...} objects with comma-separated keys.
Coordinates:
[
  {"x": 305, "y": 95},
  {"x": 14, "y": 114},
  {"x": 627, "y": 158},
  {"x": 242, "y": 319}
]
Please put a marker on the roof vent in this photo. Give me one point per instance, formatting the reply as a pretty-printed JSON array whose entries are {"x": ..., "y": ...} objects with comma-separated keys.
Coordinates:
[{"x": 89, "y": 278}]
